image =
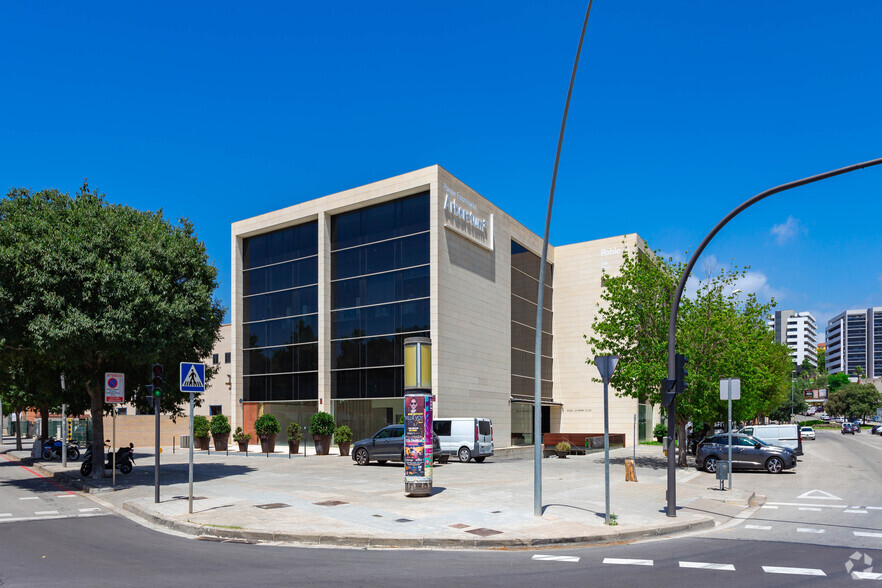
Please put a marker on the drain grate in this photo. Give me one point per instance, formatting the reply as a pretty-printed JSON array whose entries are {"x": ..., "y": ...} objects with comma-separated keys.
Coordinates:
[
  {"x": 484, "y": 532},
  {"x": 222, "y": 540},
  {"x": 330, "y": 503},
  {"x": 403, "y": 520},
  {"x": 272, "y": 505}
]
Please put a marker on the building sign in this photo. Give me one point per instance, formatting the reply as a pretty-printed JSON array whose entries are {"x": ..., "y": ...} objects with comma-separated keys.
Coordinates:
[
  {"x": 822, "y": 393},
  {"x": 462, "y": 215},
  {"x": 809, "y": 393}
]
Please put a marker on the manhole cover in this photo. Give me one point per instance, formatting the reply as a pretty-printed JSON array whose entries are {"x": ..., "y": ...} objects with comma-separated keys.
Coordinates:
[
  {"x": 484, "y": 532},
  {"x": 403, "y": 521},
  {"x": 330, "y": 503},
  {"x": 272, "y": 505}
]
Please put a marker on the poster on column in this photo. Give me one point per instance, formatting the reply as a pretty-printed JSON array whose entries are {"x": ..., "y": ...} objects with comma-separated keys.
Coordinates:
[{"x": 418, "y": 438}]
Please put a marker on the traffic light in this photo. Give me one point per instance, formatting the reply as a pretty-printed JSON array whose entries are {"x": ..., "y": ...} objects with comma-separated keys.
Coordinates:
[
  {"x": 158, "y": 379},
  {"x": 680, "y": 362},
  {"x": 668, "y": 392}
]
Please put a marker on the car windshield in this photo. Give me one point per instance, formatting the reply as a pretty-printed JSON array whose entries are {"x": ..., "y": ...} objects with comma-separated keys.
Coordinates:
[{"x": 754, "y": 440}]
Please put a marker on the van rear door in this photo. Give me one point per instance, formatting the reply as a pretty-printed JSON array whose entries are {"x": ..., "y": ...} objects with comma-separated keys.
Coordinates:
[{"x": 484, "y": 436}]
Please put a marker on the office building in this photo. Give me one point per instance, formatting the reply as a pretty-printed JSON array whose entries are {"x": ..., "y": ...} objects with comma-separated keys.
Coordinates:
[
  {"x": 799, "y": 331},
  {"x": 854, "y": 340}
]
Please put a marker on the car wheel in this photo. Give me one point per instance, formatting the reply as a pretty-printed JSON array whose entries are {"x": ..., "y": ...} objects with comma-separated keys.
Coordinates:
[
  {"x": 710, "y": 465},
  {"x": 361, "y": 456},
  {"x": 480, "y": 459},
  {"x": 465, "y": 455},
  {"x": 774, "y": 465}
]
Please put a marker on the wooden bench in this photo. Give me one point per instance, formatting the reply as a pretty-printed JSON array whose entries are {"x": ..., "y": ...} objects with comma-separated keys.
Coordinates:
[{"x": 582, "y": 443}]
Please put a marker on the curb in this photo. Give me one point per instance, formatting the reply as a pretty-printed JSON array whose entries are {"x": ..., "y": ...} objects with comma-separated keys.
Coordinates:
[{"x": 244, "y": 535}]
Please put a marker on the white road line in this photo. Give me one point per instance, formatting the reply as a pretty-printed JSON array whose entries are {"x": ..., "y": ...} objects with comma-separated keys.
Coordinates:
[
  {"x": 814, "y": 508},
  {"x": 707, "y": 566},
  {"x": 628, "y": 562},
  {"x": 50, "y": 518},
  {"x": 570, "y": 558},
  {"x": 89, "y": 509},
  {"x": 46, "y": 512},
  {"x": 873, "y": 507},
  {"x": 805, "y": 530},
  {"x": 758, "y": 527},
  {"x": 866, "y": 575},
  {"x": 816, "y": 505},
  {"x": 796, "y": 571},
  {"x": 769, "y": 506},
  {"x": 65, "y": 496},
  {"x": 5, "y": 514},
  {"x": 855, "y": 511},
  {"x": 29, "y": 498},
  {"x": 856, "y": 534}
]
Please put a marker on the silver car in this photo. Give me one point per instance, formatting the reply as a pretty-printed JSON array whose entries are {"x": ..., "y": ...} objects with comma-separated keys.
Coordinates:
[{"x": 747, "y": 453}]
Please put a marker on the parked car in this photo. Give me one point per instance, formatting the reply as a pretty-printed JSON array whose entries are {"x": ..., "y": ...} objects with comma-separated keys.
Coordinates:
[
  {"x": 876, "y": 430},
  {"x": 807, "y": 433},
  {"x": 847, "y": 428},
  {"x": 780, "y": 435},
  {"x": 465, "y": 438},
  {"x": 387, "y": 444},
  {"x": 747, "y": 453},
  {"x": 825, "y": 417}
]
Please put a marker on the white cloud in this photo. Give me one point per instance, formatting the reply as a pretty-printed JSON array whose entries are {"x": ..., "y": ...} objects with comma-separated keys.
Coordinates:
[
  {"x": 751, "y": 283},
  {"x": 787, "y": 231}
]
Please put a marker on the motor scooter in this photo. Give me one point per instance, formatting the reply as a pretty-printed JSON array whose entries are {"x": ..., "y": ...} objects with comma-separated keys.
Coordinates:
[
  {"x": 125, "y": 459},
  {"x": 52, "y": 448}
]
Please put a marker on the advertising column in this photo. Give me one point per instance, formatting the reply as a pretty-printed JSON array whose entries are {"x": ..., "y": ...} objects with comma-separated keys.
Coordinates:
[{"x": 418, "y": 436}]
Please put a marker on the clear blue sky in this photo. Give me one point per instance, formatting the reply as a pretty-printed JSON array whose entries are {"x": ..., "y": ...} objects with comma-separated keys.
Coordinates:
[{"x": 682, "y": 110}]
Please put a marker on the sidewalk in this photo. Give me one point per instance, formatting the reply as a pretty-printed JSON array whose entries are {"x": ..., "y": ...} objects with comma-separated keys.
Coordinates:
[{"x": 328, "y": 500}]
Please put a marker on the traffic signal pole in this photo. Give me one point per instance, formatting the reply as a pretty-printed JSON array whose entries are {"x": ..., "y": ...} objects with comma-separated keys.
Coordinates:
[{"x": 156, "y": 449}]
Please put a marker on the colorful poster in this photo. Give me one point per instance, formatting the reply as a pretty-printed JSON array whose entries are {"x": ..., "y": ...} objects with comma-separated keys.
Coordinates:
[{"x": 414, "y": 436}]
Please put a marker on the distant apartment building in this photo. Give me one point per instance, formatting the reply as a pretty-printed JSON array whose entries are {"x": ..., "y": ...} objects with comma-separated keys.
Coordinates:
[
  {"x": 799, "y": 331},
  {"x": 854, "y": 339}
]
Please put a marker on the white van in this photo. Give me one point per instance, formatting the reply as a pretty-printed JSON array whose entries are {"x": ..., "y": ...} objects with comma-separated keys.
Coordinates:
[
  {"x": 466, "y": 438},
  {"x": 780, "y": 435}
]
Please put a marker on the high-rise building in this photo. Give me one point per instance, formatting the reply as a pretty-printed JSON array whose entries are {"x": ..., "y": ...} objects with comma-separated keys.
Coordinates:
[
  {"x": 854, "y": 339},
  {"x": 799, "y": 331}
]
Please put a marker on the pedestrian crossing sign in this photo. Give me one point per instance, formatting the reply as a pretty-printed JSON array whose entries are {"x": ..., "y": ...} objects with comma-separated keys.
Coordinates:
[{"x": 192, "y": 377}]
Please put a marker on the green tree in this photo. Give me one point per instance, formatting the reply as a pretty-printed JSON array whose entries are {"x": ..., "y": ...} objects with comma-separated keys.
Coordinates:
[
  {"x": 93, "y": 287},
  {"x": 836, "y": 381},
  {"x": 822, "y": 361},
  {"x": 854, "y": 401},
  {"x": 720, "y": 336}
]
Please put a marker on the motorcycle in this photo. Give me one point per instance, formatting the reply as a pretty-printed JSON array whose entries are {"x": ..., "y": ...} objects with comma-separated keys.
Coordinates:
[
  {"x": 53, "y": 447},
  {"x": 125, "y": 459}
]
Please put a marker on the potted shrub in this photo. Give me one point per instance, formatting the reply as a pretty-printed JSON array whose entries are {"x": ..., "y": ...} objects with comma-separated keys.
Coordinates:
[
  {"x": 562, "y": 449},
  {"x": 241, "y": 438},
  {"x": 343, "y": 438},
  {"x": 201, "y": 429},
  {"x": 660, "y": 430},
  {"x": 295, "y": 435},
  {"x": 321, "y": 427},
  {"x": 220, "y": 431},
  {"x": 267, "y": 429}
]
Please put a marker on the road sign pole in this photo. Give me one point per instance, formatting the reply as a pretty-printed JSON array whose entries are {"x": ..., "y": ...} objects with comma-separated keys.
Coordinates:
[
  {"x": 113, "y": 449},
  {"x": 190, "y": 470},
  {"x": 156, "y": 449},
  {"x": 730, "y": 433}
]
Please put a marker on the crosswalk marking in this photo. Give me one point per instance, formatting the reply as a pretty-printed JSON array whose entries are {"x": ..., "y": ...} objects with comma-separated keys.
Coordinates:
[
  {"x": 46, "y": 512},
  {"x": 865, "y": 534},
  {"x": 52, "y": 517},
  {"x": 855, "y": 511},
  {"x": 805, "y": 530},
  {"x": 89, "y": 509},
  {"x": 796, "y": 571},
  {"x": 707, "y": 566},
  {"x": 29, "y": 498},
  {"x": 65, "y": 495},
  {"x": 769, "y": 506},
  {"x": 867, "y": 575},
  {"x": 627, "y": 562},
  {"x": 758, "y": 527},
  {"x": 5, "y": 514},
  {"x": 814, "y": 508},
  {"x": 570, "y": 558}
]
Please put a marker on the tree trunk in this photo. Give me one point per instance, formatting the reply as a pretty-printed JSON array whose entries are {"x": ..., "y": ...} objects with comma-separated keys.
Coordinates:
[
  {"x": 44, "y": 417},
  {"x": 684, "y": 443},
  {"x": 97, "y": 408},
  {"x": 18, "y": 430}
]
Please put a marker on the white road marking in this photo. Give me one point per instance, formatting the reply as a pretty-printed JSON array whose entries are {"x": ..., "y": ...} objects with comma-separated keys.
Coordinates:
[
  {"x": 864, "y": 534},
  {"x": 797, "y": 571},
  {"x": 46, "y": 512},
  {"x": 629, "y": 562},
  {"x": 5, "y": 514},
  {"x": 810, "y": 508},
  {"x": 818, "y": 495},
  {"x": 707, "y": 566},
  {"x": 65, "y": 496},
  {"x": 769, "y": 506},
  {"x": 49, "y": 518},
  {"x": 806, "y": 530},
  {"x": 855, "y": 511},
  {"x": 758, "y": 527},
  {"x": 866, "y": 575},
  {"x": 777, "y": 504},
  {"x": 89, "y": 509},
  {"x": 29, "y": 498},
  {"x": 570, "y": 558}
]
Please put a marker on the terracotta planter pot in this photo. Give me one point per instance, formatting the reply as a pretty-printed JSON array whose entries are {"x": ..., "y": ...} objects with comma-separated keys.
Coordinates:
[
  {"x": 344, "y": 447},
  {"x": 322, "y": 444},
  {"x": 243, "y": 446},
  {"x": 221, "y": 442},
  {"x": 268, "y": 443},
  {"x": 202, "y": 442},
  {"x": 293, "y": 447}
]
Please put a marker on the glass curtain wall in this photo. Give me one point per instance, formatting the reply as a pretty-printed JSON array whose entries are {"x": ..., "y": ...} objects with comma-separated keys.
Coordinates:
[
  {"x": 856, "y": 330},
  {"x": 524, "y": 301},
  {"x": 280, "y": 306},
  {"x": 379, "y": 297}
]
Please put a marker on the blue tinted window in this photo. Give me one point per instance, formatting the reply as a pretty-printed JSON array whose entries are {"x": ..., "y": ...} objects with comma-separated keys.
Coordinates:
[{"x": 282, "y": 245}]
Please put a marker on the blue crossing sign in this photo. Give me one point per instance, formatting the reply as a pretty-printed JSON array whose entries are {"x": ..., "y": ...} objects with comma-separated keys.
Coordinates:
[{"x": 192, "y": 377}]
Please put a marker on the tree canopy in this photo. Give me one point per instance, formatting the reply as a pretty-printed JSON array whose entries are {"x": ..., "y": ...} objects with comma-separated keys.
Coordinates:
[
  {"x": 88, "y": 287},
  {"x": 854, "y": 401},
  {"x": 721, "y": 337}
]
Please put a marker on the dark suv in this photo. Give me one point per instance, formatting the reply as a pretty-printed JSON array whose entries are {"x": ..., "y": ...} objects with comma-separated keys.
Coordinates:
[
  {"x": 747, "y": 453},
  {"x": 847, "y": 428},
  {"x": 387, "y": 444}
]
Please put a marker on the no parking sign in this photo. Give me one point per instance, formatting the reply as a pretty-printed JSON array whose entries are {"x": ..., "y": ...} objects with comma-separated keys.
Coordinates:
[{"x": 114, "y": 387}]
